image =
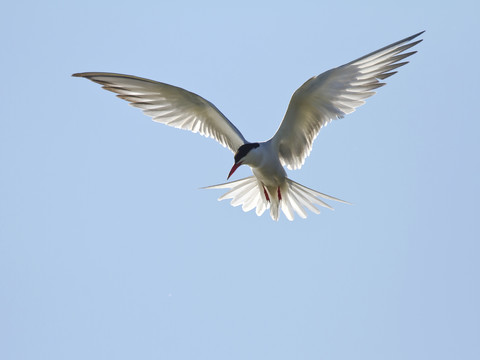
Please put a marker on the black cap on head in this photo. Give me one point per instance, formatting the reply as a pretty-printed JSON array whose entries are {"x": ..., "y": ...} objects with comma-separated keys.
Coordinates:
[{"x": 244, "y": 150}]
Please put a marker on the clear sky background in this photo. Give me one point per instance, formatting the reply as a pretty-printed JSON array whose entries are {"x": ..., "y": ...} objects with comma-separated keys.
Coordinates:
[{"x": 109, "y": 250}]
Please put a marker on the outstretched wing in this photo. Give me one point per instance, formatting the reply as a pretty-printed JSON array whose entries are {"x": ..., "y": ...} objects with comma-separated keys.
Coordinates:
[
  {"x": 172, "y": 106},
  {"x": 332, "y": 95}
]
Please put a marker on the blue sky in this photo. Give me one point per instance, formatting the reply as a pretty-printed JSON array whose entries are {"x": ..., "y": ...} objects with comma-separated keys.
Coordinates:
[{"x": 109, "y": 250}]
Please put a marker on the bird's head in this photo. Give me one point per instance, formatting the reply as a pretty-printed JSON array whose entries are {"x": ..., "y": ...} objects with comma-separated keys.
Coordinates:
[{"x": 242, "y": 156}]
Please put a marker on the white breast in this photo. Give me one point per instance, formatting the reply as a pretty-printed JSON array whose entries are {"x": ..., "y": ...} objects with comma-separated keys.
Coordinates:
[{"x": 266, "y": 165}]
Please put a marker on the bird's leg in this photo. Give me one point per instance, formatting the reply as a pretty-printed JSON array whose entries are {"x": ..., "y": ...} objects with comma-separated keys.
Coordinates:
[
  {"x": 279, "y": 194},
  {"x": 266, "y": 194}
]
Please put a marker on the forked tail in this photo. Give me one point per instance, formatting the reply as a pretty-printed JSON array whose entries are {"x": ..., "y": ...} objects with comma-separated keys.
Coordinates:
[{"x": 291, "y": 197}]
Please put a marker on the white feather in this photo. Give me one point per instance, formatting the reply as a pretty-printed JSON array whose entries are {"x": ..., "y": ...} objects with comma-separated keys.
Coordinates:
[
  {"x": 332, "y": 95},
  {"x": 295, "y": 197},
  {"x": 172, "y": 106}
]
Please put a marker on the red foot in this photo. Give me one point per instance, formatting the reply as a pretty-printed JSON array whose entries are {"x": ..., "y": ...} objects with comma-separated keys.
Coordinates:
[
  {"x": 266, "y": 194},
  {"x": 279, "y": 194}
]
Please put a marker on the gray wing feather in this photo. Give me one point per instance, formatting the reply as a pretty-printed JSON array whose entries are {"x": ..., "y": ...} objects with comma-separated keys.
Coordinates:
[
  {"x": 332, "y": 95},
  {"x": 172, "y": 106}
]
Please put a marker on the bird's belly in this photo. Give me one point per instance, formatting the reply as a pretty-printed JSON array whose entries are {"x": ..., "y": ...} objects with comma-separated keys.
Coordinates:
[{"x": 271, "y": 175}]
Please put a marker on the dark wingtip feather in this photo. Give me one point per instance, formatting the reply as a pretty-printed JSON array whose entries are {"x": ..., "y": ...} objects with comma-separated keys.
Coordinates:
[
  {"x": 386, "y": 75},
  {"x": 414, "y": 36},
  {"x": 83, "y": 74}
]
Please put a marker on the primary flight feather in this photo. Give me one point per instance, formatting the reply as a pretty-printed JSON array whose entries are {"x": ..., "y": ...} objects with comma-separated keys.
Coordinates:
[{"x": 330, "y": 95}]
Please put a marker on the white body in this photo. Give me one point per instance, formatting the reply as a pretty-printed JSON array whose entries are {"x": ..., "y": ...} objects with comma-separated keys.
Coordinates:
[
  {"x": 330, "y": 95},
  {"x": 271, "y": 188},
  {"x": 266, "y": 165}
]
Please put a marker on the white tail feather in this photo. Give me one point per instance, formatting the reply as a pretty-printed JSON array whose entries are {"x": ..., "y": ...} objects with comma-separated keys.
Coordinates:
[{"x": 295, "y": 198}]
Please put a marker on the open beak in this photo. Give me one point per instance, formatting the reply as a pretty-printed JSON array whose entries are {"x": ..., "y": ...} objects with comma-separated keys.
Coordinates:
[{"x": 234, "y": 167}]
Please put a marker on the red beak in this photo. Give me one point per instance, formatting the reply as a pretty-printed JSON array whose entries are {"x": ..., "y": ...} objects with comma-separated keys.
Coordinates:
[{"x": 234, "y": 167}]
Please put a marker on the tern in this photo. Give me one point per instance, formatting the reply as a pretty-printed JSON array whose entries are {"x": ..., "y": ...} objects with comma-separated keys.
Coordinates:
[{"x": 323, "y": 98}]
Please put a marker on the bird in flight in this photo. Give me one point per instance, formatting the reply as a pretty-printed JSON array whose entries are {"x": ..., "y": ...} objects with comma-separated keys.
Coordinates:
[{"x": 330, "y": 95}]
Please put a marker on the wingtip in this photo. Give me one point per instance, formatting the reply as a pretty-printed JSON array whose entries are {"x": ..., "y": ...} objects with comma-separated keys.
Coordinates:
[
  {"x": 417, "y": 35},
  {"x": 84, "y": 74},
  {"x": 410, "y": 38}
]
